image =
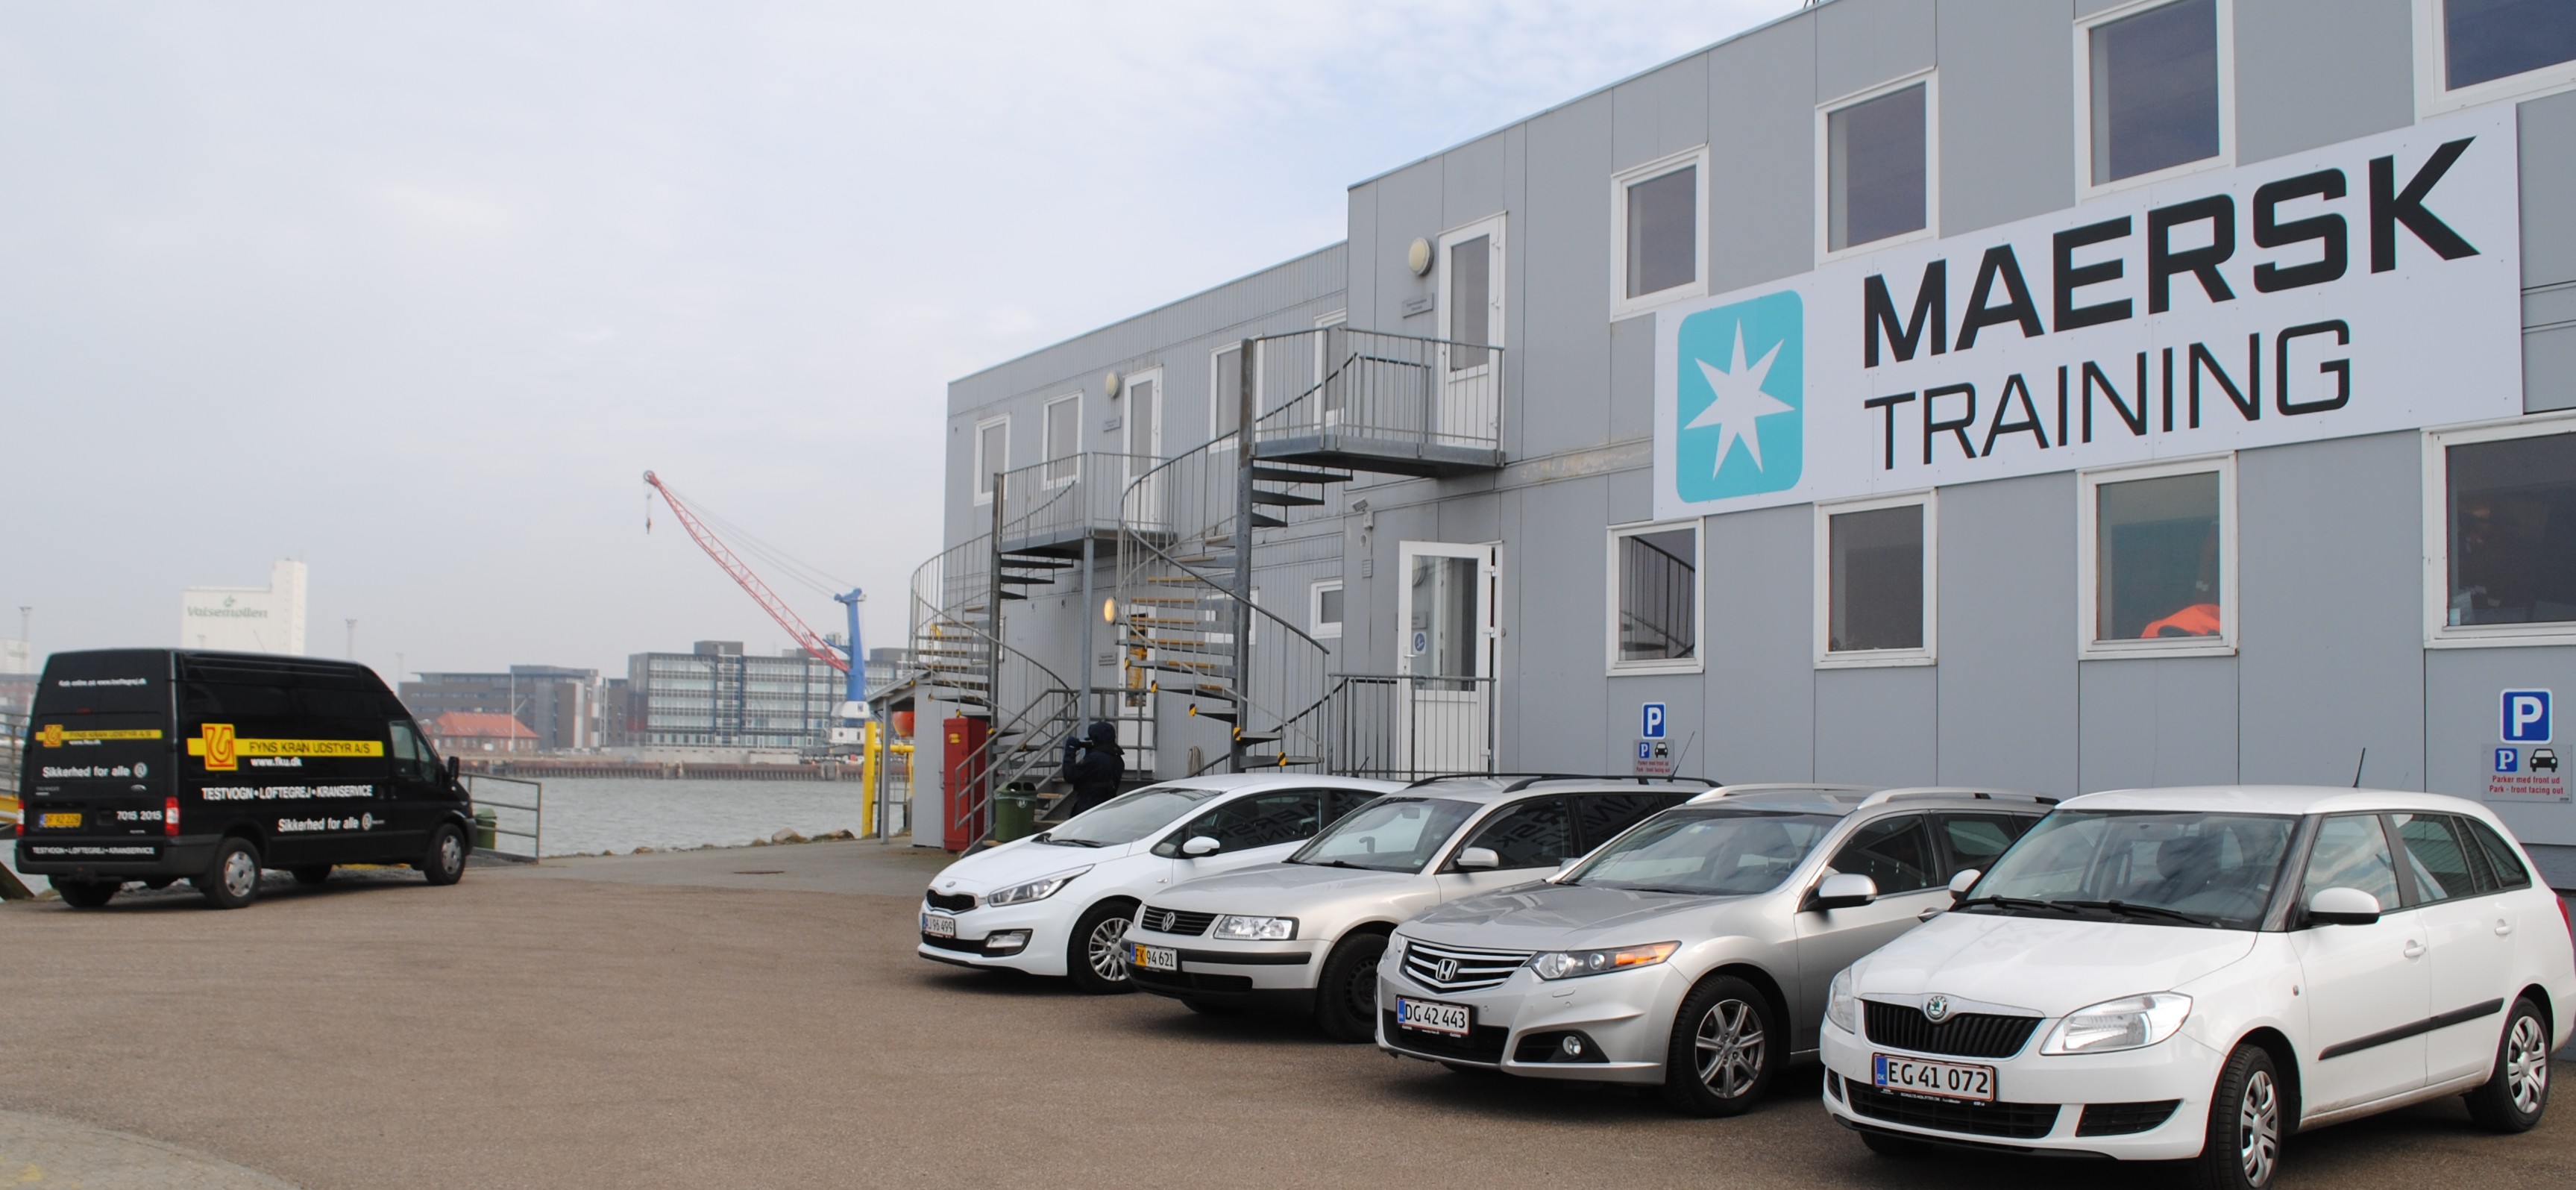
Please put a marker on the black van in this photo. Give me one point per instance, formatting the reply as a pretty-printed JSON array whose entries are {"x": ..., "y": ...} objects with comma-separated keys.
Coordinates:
[{"x": 163, "y": 765}]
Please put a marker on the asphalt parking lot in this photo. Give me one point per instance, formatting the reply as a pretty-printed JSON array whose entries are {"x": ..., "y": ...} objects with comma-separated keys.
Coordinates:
[{"x": 756, "y": 1018}]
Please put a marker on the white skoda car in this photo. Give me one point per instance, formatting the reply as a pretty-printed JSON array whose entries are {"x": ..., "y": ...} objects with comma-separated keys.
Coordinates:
[
  {"x": 1058, "y": 902},
  {"x": 2194, "y": 974}
]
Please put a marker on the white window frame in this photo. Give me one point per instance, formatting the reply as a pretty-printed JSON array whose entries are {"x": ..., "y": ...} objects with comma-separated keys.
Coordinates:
[
  {"x": 2225, "y": 158},
  {"x": 1497, "y": 302},
  {"x": 1046, "y": 419},
  {"x": 1828, "y": 657},
  {"x": 2438, "y": 632},
  {"x": 2088, "y": 507},
  {"x": 1621, "y": 305},
  {"x": 1697, "y": 662},
  {"x": 2432, "y": 51},
  {"x": 1931, "y": 229},
  {"x": 1152, "y": 378},
  {"x": 1216, "y": 386},
  {"x": 982, "y": 482},
  {"x": 1315, "y": 625}
]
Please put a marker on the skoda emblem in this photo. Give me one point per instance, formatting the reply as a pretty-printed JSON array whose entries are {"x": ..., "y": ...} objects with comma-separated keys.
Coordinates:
[
  {"x": 1447, "y": 970},
  {"x": 1936, "y": 1009}
]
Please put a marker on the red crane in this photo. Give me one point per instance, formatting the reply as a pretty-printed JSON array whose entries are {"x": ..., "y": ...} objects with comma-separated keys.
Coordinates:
[{"x": 806, "y": 638}]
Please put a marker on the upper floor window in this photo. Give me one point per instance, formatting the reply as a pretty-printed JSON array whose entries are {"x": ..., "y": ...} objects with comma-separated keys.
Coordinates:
[
  {"x": 2472, "y": 51},
  {"x": 2156, "y": 82},
  {"x": 1063, "y": 438},
  {"x": 1226, "y": 412},
  {"x": 992, "y": 453},
  {"x": 1878, "y": 165},
  {"x": 1655, "y": 596},
  {"x": 1658, "y": 224},
  {"x": 2502, "y": 533}
]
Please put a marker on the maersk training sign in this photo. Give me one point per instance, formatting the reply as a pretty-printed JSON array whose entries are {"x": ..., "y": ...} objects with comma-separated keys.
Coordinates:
[{"x": 2371, "y": 286}]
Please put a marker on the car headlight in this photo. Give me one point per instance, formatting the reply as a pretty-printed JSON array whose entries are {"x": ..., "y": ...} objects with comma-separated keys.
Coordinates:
[
  {"x": 1841, "y": 1006},
  {"x": 2128, "y": 1023},
  {"x": 1035, "y": 890},
  {"x": 1567, "y": 964},
  {"x": 1241, "y": 928}
]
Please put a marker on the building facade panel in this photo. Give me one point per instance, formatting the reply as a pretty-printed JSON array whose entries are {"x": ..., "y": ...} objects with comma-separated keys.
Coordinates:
[
  {"x": 2007, "y": 131},
  {"x": 1862, "y": 43},
  {"x": 2310, "y": 73},
  {"x": 1762, "y": 133},
  {"x": 2007, "y": 634},
  {"x": 1758, "y": 694},
  {"x": 2146, "y": 721}
]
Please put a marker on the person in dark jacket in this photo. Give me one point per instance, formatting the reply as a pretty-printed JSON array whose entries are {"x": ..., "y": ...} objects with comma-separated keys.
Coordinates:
[{"x": 1093, "y": 765}]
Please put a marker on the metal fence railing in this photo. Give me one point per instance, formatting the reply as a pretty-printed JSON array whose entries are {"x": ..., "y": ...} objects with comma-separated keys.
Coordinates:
[
  {"x": 1058, "y": 502},
  {"x": 1407, "y": 727},
  {"x": 1376, "y": 393},
  {"x": 13, "y": 754},
  {"x": 519, "y": 813}
]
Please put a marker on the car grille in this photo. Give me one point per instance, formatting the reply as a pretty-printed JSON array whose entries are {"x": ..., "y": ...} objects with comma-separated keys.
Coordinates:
[
  {"x": 2019, "y": 1121},
  {"x": 1458, "y": 969},
  {"x": 1964, "y": 1035},
  {"x": 952, "y": 902},
  {"x": 1174, "y": 921},
  {"x": 1485, "y": 1044},
  {"x": 2123, "y": 1119},
  {"x": 963, "y": 945}
]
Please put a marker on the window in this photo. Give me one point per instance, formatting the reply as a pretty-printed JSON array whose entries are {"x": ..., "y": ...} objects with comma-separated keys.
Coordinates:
[
  {"x": 1874, "y": 581},
  {"x": 1657, "y": 226},
  {"x": 1471, "y": 294},
  {"x": 2157, "y": 546},
  {"x": 1226, "y": 411},
  {"x": 1599, "y": 817},
  {"x": 1324, "y": 609},
  {"x": 1063, "y": 439},
  {"x": 2500, "y": 537},
  {"x": 2501, "y": 861},
  {"x": 2156, "y": 79},
  {"x": 1879, "y": 165},
  {"x": 992, "y": 453},
  {"x": 2438, "y": 858},
  {"x": 1976, "y": 840},
  {"x": 2351, "y": 852},
  {"x": 1533, "y": 834},
  {"x": 2472, "y": 51},
  {"x": 1893, "y": 852},
  {"x": 1655, "y": 596},
  {"x": 1261, "y": 820}
]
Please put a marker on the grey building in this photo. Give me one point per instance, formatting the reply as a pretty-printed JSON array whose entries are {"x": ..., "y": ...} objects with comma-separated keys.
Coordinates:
[
  {"x": 715, "y": 696},
  {"x": 2062, "y": 395},
  {"x": 560, "y": 705}
]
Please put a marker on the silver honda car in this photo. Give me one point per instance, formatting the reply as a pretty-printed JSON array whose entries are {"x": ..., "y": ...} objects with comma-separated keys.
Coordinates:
[{"x": 1694, "y": 950}]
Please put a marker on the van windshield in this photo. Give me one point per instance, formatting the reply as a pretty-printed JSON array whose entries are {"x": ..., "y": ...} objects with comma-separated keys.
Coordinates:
[
  {"x": 1126, "y": 818},
  {"x": 1391, "y": 834},
  {"x": 1708, "y": 853},
  {"x": 2156, "y": 867}
]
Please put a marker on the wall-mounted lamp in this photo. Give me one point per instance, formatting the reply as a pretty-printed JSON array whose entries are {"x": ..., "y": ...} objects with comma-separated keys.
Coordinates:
[
  {"x": 1109, "y": 611},
  {"x": 1418, "y": 256},
  {"x": 1109, "y": 383}
]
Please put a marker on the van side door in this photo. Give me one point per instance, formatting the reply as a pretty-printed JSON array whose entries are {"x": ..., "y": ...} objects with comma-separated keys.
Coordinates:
[{"x": 419, "y": 791}]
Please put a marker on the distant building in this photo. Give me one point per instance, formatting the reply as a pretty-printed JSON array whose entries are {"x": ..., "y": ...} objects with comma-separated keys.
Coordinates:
[
  {"x": 616, "y": 697},
  {"x": 559, "y": 705},
  {"x": 17, "y": 677},
  {"x": 471, "y": 733},
  {"x": 716, "y": 697},
  {"x": 266, "y": 619}
]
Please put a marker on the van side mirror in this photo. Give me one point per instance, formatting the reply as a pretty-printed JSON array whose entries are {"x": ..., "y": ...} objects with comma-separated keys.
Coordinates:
[
  {"x": 1200, "y": 845},
  {"x": 1844, "y": 890},
  {"x": 1961, "y": 883},
  {"x": 1479, "y": 857},
  {"x": 454, "y": 767},
  {"x": 2341, "y": 906}
]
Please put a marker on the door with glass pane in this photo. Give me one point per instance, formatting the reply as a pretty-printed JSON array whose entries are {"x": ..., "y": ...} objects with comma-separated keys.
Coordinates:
[
  {"x": 1143, "y": 445},
  {"x": 1468, "y": 411},
  {"x": 1445, "y": 660}
]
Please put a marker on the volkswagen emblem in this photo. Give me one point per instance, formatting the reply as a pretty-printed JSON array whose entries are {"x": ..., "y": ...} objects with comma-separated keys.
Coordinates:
[
  {"x": 1447, "y": 970},
  {"x": 1936, "y": 1009}
]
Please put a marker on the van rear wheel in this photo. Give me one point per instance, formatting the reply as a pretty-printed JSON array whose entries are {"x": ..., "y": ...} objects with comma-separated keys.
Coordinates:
[
  {"x": 86, "y": 894},
  {"x": 445, "y": 862},
  {"x": 232, "y": 881}
]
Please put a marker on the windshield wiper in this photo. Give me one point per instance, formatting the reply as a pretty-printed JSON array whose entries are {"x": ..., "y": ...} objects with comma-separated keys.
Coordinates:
[
  {"x": 1336, "y": 863},
  {"x": 2018, "y": 903},
  {"x": 1654, "y": 888},
  {"x": 1049, "y": 837},
  {"x": 2132, "y": 908}
]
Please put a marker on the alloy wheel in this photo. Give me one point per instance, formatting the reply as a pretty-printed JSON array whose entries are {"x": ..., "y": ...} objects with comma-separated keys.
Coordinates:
[
  {"x": 1107, "y": 948},
  {"x": 1731, "y": 1043},
  {"x": 241, "y": 874},
  {"x": 2526, "y": 1065},
  {"x": 2258, "y": 1128}
]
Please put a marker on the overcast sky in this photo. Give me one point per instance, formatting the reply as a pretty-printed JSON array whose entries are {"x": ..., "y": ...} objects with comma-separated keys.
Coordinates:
[{"x": 415, "y": 293}]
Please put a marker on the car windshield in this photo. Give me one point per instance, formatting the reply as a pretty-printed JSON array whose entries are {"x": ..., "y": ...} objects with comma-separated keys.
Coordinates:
[
  {"x": 1709, "y": 853},
  {"x": 2158, "y": 867},
  {"x": 1392, "y": 834},
  {"x": 1127, "y": 817}
]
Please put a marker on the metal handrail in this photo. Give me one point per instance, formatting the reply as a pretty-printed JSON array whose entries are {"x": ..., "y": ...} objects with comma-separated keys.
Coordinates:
[{"x": 535, "y": 807}]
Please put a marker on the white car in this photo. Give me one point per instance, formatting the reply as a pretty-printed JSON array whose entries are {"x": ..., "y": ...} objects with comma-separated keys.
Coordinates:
[
  {"x": 1058, "y": 902},
  {"x": 2194, "y": 974}
]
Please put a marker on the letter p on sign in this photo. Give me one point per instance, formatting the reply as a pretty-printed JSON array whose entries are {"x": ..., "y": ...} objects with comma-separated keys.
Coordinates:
[
  {"x": 2526, "y": 716},
  {"x": 1650, "y": 721}
]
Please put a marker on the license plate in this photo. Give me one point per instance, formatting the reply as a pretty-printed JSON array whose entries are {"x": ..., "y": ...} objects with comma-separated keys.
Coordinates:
[
  {"x": 1432, "y": 1016},
  {"x": 59, "y": 821},
  {"x": 1155, "y": 958},
  {"x": 1945, "y": 1080},
  {"x": 938, "y": 925}
]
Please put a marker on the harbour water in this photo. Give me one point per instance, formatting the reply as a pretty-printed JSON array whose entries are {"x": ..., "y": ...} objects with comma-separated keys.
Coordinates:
[{"x": 586, "y": 815}]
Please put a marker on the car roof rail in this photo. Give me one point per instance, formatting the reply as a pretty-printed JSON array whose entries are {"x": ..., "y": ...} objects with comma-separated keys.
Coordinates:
[
  {"x": 1529, "y": 779},
  {"x": 1969, "y": 792},
  {"x": 1438, "y": 777},
  {"x": 1726, "y": 791}
]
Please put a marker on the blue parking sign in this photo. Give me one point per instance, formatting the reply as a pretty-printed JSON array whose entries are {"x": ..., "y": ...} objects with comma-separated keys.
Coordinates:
[
  {"x": 2526, "y": 717},
  {"x": 2508, "y": 760},
  {"x": 1651, "y": 721}
]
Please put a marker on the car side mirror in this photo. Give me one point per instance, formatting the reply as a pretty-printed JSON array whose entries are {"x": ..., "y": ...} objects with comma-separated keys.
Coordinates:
[
  {"x": 2341, "y": 906},
  {"x": 1479, "y": 857},
  {"x": 1201, "y": 845},
  {"x": 1961, "y": 883},
  {"x": 1843, "y": 890}
]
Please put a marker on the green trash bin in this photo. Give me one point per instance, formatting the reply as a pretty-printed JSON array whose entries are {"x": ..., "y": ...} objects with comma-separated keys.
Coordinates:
[
  {"x": 486, "y": 829},
  {"x": 1015, "y": 813}
]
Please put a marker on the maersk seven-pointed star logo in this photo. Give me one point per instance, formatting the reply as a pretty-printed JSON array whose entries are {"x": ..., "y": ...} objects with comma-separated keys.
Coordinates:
[{"x": 1741, "y": 399}]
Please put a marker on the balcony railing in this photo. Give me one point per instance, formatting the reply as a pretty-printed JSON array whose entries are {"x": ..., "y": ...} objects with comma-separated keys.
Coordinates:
[
  {"x": 1335, "y": 396},
  {"x": 1052, "y": 506}
]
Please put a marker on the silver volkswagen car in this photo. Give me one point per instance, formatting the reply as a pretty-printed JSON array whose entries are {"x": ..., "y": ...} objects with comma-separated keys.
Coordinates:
[
  {"x": 1693, "y": 951},
  {"x": 1303, "y": 936}
]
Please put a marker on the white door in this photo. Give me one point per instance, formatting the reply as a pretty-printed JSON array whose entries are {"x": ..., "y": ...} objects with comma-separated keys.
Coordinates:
[
  {"x": 1445, "y": 662},
  {"x": 2366, "y": 985},
  {"x": 1143, "y": 446},
  {"x": 2469, "y": 928},
  {"x": 1469, "y": 408}
]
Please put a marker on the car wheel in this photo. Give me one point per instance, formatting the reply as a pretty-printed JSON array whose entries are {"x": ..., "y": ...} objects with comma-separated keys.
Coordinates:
[
  {"x": 86, "y": 894},
  {"x": 1725, "y": 1048},
  {"x": 232, "y": 881},
  {"x": 1346, "y": 996},
  {"x": 1888, "y": 1144},
  {"x": 445, "y": 861},
  {"x": 1096, "y": 955},
  {"x": 2242, "y": 1149},
  {"x": 311, "y": 874},
  {"x": 2513, "y": 1099}
]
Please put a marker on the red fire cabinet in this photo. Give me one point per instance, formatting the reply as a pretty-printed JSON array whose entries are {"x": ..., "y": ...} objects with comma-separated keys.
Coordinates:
[{"x": 965, "y": 805}]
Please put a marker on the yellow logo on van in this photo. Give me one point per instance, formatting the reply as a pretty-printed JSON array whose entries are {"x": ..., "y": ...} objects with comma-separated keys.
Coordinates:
[
  {"x": 222, "y": 750},
  {"x": 52, "y": 735}
]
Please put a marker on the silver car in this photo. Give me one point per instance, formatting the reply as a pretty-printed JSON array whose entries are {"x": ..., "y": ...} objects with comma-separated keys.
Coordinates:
[
  {"x": 1693, "y": 951},
  {"x": 1303, "y": 936}
]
